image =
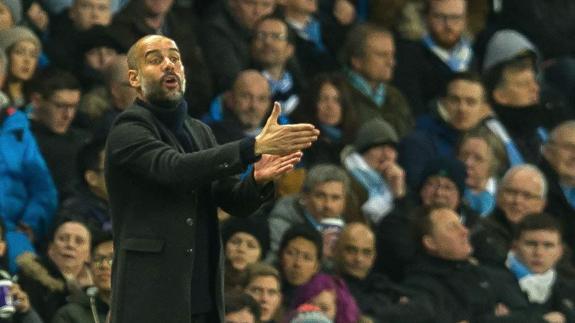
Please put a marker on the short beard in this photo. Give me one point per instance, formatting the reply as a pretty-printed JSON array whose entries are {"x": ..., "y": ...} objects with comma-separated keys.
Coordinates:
[{"x": 157, "y": 96}]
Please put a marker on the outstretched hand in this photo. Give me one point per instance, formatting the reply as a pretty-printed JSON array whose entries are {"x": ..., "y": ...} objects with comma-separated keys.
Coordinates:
[
  {"x": 276, "y": 139},
  {"x": 271, "y": 167}
]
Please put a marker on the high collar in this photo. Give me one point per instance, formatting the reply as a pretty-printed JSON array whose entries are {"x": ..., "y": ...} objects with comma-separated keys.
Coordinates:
[
  {"x": 523, "y": 119},
  {"x": 171, "y": 117}
]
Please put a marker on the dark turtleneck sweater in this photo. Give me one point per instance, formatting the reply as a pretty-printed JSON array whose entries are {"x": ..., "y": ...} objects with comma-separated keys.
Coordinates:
[{"x": 202, "y": 299}]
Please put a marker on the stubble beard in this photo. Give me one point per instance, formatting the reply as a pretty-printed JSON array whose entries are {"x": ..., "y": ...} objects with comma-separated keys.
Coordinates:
[{"x": 154, "y": 93}]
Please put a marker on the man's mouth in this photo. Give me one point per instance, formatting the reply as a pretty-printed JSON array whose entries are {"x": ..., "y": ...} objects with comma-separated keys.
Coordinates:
[{"x": 171, "y": 81}]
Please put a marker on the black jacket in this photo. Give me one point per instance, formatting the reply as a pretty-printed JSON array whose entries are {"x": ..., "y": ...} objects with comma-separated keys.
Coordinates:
[
  {"x": 158, "y": 196},
  {"x": 454, "y": 291},
  {"x": 379, "y": 298},
  {"x": 491, "y": 239}
]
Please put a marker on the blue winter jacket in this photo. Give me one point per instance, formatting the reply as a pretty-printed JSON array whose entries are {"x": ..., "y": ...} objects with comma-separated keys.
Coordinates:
[{"x": 27, "y": 193}]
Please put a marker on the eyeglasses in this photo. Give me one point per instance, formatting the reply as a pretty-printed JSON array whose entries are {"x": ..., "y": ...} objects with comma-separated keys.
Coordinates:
[
  {"x": 263, "y": 35},
  {"x": 445, "y": 18},
  {"x": 64, "y": 105},
  {"x": 513, "y": 192},
  {"x": 100, "y": 261}
]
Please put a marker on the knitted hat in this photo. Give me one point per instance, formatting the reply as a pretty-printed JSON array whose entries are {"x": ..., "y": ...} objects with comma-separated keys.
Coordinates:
[
  {"x": 373, "y": 133},
  {"x": 445, "y": 167},
  {"x": 15, "y": 7},
  {"x": 11, "y": 36},
  {"x": 307, "y": 313},
  {"x": 258, "y": 229}
]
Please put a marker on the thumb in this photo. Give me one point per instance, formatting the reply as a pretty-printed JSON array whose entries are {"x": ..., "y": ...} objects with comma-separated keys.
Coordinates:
[{"x": 273, "y": 119}]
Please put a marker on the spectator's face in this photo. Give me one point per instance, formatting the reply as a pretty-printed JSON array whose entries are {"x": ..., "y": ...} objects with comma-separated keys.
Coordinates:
[
  {"x": 87, "y": 13},
  {"x": 299, "y": 261},
  {"x": 6, "y": 19},
  {"x": 158, "y": 7},
  {"x": 439, "y": 190},
  {"x": 539, "y": 250},
  {"x": 520, "y": 195},
  {"x": 160, "y": 75},
  {"x": 100, "y": 58},
  {"x": 329, "y": 109},
  {"x": 560, "y": 153},
  {"x": 101, "y": 266},
  {"x": 380, "y": 157},
  {"x": 71, "y": 246},
  {"x": 248, "y": 12},
  {"x": 356, "y": 251},
  {"x": 478, "y": 158},
  {"x": 242, "y": 249},
  {"x": 266, "y": 291},
  {"x": 326, "y": 200},
  {"x": 241, "y": 316},
  {"x": 327, "y": 302},
  {"x": 58, "y": 111},
  {"x": 465, "y": 104},
  {"x": 518, "y": 88},
  {"x": 449, "y": 238},
  {"x": 270, "y": 46},
  {"x": 446, "y": 21},
  {"x": 251, "y": 100},
  {"x": 23, "y": 60},
  {"x": 378, "y": 60}
]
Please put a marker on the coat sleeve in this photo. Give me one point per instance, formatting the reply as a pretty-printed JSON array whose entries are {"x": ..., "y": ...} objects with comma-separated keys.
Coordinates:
[{"x": 134, "y": 145}]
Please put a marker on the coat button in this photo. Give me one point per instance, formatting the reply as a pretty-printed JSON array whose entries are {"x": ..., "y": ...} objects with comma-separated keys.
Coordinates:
[
  {"x": 225, "y": 165},
  {"x": 190, "y": 251},
  {"x": 190, "y": 221}
]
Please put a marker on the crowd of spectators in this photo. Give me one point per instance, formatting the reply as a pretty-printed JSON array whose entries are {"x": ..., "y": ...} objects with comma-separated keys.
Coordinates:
[{"x": 441, "y": 188}]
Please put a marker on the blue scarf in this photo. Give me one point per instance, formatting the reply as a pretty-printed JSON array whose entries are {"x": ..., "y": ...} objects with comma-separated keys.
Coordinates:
[
  {"x": 332, "y": 132},
  {"x": 458, "y": 58},
  {"x": 376, "y": 95},
  {"x": 380, "y": 197},
  {"x": 569, "y": 193},
  {"x": 482, "y": 202}
]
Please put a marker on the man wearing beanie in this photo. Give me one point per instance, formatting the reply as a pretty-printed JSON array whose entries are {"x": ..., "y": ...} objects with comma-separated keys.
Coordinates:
[
  {"x": 443, "y": 183},
  {"x": 378, "y": 181}
]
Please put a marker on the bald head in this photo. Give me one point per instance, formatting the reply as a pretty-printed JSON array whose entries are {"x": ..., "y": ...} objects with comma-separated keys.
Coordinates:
[
  {"x": 355, "y": 251},
  {"x": 134, "y": 53},
  {"x": 250, "y": 98},
  {"x": 522, "y": 191}
]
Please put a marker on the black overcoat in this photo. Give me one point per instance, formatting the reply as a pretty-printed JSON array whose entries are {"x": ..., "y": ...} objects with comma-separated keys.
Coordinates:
[{"x": 157, "y": 192}]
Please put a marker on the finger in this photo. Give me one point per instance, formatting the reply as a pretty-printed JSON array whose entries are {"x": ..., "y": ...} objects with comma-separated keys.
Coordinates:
[
  {"x": 300, "y": 127},
  {"x": 276, "y": 111}
]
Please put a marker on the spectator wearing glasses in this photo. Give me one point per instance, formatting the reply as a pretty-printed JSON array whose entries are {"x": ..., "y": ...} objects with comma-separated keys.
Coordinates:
[
  {"x": 272, "y": 52},
  {"x": 522, "y": 191},
  {"x": 55, "y": 96},
  {"x": 425, "y": 67},
  {"x": 94, "y": 303}
]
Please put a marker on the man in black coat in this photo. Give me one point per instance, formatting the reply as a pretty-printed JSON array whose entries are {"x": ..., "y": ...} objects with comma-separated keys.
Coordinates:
[
  {"x": 166, "y": 176},
  {"x": 453, "y": 287}
]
